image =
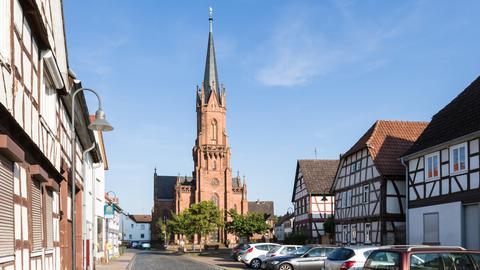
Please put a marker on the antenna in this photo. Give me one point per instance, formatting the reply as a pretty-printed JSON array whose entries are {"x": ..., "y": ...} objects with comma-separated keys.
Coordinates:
[{"x": 315, "y": 153}]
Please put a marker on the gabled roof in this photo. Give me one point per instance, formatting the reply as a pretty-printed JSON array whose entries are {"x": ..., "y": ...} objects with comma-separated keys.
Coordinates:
[
  {"x": 164, "y": 187},
  {"x": 141, "y": 218},
  {"x": 261, "y": 207},
  {"x": 459, "y": 118},
  {"x": 284, "y": 218},
  {"x": 387, "y": 141},
  {"x": 318, "y": 174}
]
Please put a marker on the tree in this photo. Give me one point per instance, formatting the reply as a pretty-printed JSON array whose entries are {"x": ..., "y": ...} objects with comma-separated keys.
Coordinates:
[
  {"x": 246, "y": 225},
  {"x": 329, "y": 227},
  {"x": 204, "y": 218},
  {"x": 160, "y": 230}
]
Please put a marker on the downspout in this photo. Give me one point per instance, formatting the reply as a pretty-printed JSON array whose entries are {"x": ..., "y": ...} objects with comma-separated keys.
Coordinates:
[
  {"x": 84, "y": 207},
  {"x": 407, "y": 195},
  {"x": 93, "y": 254}
]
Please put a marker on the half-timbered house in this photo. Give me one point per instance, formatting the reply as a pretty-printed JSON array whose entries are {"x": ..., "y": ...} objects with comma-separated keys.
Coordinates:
[
  {"x": 35, "y": 153},
  {"x": 370, "y": 187},
  {"x": 311, "y": 197},
  {"x": 443, "y": 170}
]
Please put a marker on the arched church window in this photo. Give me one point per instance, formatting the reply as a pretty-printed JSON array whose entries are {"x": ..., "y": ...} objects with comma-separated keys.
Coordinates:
[
  {"x": 214, "y": 128},
  {"x": 214, "y": 165},
  {"x": 215, "y": 199}
]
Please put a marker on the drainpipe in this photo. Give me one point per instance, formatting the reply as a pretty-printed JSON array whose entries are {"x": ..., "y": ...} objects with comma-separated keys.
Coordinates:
[
  {"x": 407, "y": 197},
  {"x": 84, "y": 207},
  {"x": 94, "y": 216}
]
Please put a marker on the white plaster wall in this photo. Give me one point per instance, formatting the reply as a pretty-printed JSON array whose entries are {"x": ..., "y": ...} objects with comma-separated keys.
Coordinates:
[
  {"x": 450, "y": 223},
  {"x": 136, "y": 230}
]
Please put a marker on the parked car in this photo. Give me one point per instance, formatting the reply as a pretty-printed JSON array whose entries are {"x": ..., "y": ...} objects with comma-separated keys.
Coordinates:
[
  {"x": 308, "y": 257},
  {"x": 282, "y": 250},
  {"x": 348, "y": 258},
  {"x": 237, "y": 251},
  {"x": 133, "y": 244},
  {"x": 420, "y": 258},
  {"x": 145, "y": 246},
  {"x": 255, "y": 252}
]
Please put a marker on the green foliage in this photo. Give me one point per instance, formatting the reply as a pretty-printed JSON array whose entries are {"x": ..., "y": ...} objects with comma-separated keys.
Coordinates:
[
  {"x": 160, "y": 229},
  {"x": 246, "y": 225},
  {"x": 329, "y": 225},
  {"x": 296, "y": 239},
  {"x": 201, "y": 219}
]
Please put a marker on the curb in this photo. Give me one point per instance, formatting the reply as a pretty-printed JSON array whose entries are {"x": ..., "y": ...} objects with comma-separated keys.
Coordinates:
[{"x": 130, "y": 264}]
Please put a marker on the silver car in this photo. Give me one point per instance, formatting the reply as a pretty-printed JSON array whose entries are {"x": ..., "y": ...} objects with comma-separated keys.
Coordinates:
[
  {"x": 351, "y": 258},
  {"x": 306, "y": 258}
]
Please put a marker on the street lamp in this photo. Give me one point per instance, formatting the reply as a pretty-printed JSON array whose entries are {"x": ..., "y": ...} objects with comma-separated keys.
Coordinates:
[{"x": 99, "y": 124}]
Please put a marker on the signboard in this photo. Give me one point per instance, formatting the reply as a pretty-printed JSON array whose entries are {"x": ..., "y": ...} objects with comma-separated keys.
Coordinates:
[{"x": 108, "y": 210}]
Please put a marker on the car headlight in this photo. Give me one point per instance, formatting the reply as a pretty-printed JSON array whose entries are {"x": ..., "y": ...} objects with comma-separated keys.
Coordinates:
[{"x": 274, "y": 262}]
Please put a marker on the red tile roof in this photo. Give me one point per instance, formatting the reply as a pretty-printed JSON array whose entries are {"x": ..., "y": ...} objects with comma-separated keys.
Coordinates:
[
  {"x": 387, "y": 141},
  {"x": 141, "y": 218},
  {"x": 318, "y": 175}
]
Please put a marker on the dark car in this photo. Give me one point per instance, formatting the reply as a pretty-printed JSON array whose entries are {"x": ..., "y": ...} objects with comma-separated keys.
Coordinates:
[
  {"x": 423, "y": 258},
  {"x": 237, "y": 251},
  {"x": 308, "y": 257}
]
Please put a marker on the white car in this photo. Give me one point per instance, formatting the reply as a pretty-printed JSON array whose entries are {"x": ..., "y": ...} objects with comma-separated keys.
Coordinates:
[
  {"x": 348, "y": 258},
  {"x": 255, "y": 253},
  {"x": 281, "y": 251}
]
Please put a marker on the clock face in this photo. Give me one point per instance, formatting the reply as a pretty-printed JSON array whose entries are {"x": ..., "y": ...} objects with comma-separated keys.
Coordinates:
[{"x": 215, "y": 182}]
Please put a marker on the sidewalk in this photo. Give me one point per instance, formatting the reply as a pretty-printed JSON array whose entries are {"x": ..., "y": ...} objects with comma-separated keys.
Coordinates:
[{"x": 119, "y": 263}]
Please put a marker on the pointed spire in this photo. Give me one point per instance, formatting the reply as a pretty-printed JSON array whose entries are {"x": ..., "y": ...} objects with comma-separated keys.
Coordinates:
[{"x": 210, "y": 80}]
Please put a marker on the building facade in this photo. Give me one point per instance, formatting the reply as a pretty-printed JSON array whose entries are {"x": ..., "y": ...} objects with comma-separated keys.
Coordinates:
[
  {"x": 311, "y": 197},
  {"x": 284, "y": 227},
  {"x": 35, "y": 153},
  {"x": 136, "y": 228},
  {"x": 370, "y": 186},
  {"x": 113, "y": 227},
  {"x": 443, "y": 170},
  {"x": 265, "y": 208},
  {"x": 212, "y": 178}
]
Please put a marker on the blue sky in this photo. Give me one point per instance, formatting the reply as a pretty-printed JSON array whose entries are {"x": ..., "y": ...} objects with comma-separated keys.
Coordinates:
[{"x": 299, "y": 75}]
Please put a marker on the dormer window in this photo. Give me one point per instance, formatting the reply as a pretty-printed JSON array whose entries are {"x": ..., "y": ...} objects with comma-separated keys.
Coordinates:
[
  {"x": 432, "y": 166},
  {"x": 458, "y": 158}
]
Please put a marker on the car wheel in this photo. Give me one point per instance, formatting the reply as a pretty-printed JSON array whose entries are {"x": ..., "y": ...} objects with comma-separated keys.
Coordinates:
[
  {"x": 255, "y": 263},
  {"x": 285, "y": 266},
  {"x": 239, "y": 258}
]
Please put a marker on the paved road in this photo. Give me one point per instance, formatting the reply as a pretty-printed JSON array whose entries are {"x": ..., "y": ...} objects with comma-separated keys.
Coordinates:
[{"x": 155, "y": 260}]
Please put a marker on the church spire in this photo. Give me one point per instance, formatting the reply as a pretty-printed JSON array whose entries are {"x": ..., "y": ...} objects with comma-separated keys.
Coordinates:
[{"x": 210, "y": 80}]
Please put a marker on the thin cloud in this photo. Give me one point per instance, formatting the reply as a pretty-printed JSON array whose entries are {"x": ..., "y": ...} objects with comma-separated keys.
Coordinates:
[{"x": 295, "y": 53}]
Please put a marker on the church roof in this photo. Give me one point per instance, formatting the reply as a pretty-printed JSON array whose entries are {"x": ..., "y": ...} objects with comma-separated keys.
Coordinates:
[
  {"x": 459, "y": 118},
  {"x": 210, "y": 79},
  {"x": 164, "y": 187}
]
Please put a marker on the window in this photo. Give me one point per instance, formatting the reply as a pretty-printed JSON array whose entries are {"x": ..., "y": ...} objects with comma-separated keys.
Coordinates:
[
  {"x": 129, "y": 236},
  {"x": 214, "y": 128},
  {"x": 432, "y": 166},
  {"x": 49, "y": 218},
  {"x": 367, "y": 233},
  {"x": 4, "y": 30},
  {"x": 142, "y": 227},
  {"x": 457, "y": 261},
  {"x": 131, "y": 225},
  {"x": 7, "y": 228},
  {"x": 341, "y": 254},
  {"x": 366, "y": 194},
  {"x": 430, "y": 228},
  {"x": 353, "y": 235},
  {"x": 48, "y": 102},
  {"x": 215, "y": 199},
  {"x": 426, "y": 261},
  {"x": 142, "y": 235},
  {"x": 99, "y": 234},
  {"x": 383, "y": 260},
  {"x": 458, "y": 158},
  {"x": 214, "y": 165},
  {"x": 315, "y": 252},
  {"x": 344, "y": 232},
  {"x": 37, "y": 225}
]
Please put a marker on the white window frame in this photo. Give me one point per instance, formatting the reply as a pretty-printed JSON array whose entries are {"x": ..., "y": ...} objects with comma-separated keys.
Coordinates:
[
  {"x": 427, "y": 167},
  {"x": 367, "y": 233},
  {"x": 366, "y": 193},
  {"x": 353, "y": 234},
  {"x": 452, "y": 161},
  {"x": 344, "y": 233},
  {"x": 48, "y": 102}
]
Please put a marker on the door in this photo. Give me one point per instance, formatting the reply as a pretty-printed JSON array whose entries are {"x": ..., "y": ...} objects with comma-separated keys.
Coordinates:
[
  {"x": 312, "y": 260},
  {"x": 471, "y": 225}
]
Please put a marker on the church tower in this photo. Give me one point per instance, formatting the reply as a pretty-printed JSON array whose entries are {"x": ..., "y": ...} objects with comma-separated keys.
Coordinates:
[{"x": 211, "y": 153}]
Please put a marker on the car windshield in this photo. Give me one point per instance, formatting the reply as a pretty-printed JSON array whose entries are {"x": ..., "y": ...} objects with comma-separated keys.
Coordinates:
[
  {"x": 302, "y": 250},
  {"x": 341, "y": 254}
]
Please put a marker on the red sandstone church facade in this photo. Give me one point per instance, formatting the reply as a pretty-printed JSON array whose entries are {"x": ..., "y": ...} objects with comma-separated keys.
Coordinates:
[{"x": 212, "y": 175}]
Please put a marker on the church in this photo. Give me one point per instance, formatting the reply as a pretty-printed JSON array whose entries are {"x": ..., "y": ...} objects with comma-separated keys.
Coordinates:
[{"x": 212, "y": 175}]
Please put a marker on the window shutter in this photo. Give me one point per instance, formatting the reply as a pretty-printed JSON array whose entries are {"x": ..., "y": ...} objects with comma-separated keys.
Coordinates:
[
  {"x": 6, "y": 208},
  {"x": 49, "y": 218},
  {"x": 36, "y": 216}
]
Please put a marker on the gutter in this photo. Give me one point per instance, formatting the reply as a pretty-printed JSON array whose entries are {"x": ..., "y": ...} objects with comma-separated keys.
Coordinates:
[{"x": 407, "y": 198}]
